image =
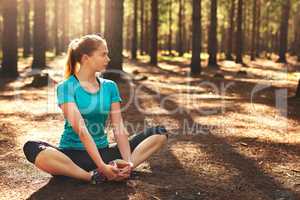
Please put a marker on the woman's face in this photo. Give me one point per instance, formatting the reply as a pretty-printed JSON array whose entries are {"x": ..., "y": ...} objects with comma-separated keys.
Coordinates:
[{"x": 99, "y": 59}]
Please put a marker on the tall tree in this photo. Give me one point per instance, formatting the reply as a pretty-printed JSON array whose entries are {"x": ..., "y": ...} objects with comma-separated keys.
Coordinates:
[
  {"x": 55, "y": 27},
  {"x": 142, "y": 27},
  {"x": 113, "y": 34},
  {"x": 27, "y": 38},
  {"x": 239, "y": 33},
  {"x": 196, "y": 38},
  {"x": 298, "y": 35},
  {"x": 9, "y": 67},
  {"x": 170, "y": 28},
  {"x": 89, "y": 17},
  {"x": 66, "y": 24},
  {"x": 253, "y": 35},
  {"x": 134, "y": 30},
  {"x": 154, "y": 31},
  {"x": 212, "y": 36},
  {"x": 258, "y": 18},
  {"x": 39, "y": 34},
  {"x": 84, "y": 17},
  {"x": 284, "y": 30},
  {"x": 230, "y": 31},
  {"x": 180, "y": 29},
  {"x": 147, "y": 29},
  {"x": 98, "y": 16}
]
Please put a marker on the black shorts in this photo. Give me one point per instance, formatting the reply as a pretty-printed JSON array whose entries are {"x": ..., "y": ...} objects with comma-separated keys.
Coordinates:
[{"x": 81, "y": 157}]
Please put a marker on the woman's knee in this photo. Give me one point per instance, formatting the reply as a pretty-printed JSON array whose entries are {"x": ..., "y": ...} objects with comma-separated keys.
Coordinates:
[{"x": 32, "y": 149}]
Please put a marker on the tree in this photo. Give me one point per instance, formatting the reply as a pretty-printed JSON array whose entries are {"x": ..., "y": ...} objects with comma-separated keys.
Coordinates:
[
  {"x": 230, "y": 31},
  {"x": 212, "y": 36},
  {"x": 196, "y": 38},
  {"x": 142, "y": 46},
  {"x": 134, "y": 30},
  {"x": 239, "y": 33},
  {"x": 9, "y": 67},
  {"x": 89, "y": 17},
  {"x": 39, "y": 34},
  {"x": 170, "y": 28},
  {"x": 284, "y": 30},
  {"x": 180, "y": 29},
  {"x": 98, "y": 17},
  {"x": 27, "y": 39},
  {"x": 113, "y": 34},
  {"x": 55, "y": 28},
  {"x": 66, "y": 24},
  {"x": 258, "y": 19},
  {"x": 253, "y": 35},
  {"x": 154, "y": 31}
]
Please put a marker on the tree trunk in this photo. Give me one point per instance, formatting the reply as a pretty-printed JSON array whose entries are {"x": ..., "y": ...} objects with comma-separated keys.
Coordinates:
[
  {"x": 147, "y": 30},
  {"x": 98, "y": 17},
  {"x": 9, "y": 67},
  {"x": 230, "y": 31},
  {"x": 134, "y": 30},
  {"x": 89, "y": 17},
  {"x": 113, "y": 34},
  {"x": 39, "y": 34},
  {"x": 27, "y": 39},
  {"x": 170, "y": 28},
  {"x": 298, "y": 35},
  {"x": 253, "y": 30},
  {"x": 239, "y": 33},
  {"x": 154, "y": 31},
  {"x": 55, "y": 28},
  {"x": 297, "y": 95},
  {"x": 142, "y": 28},
  {"x": 65, "y": 25},
  {"x": 180, "y": 31},
  {"x": 196, "y": 38},
  {"x": 257, "y": 48},
  {"x": 284, "y": 31},
  {"x": 212, "y": 35},
  {"x": 84, "y": 17}
]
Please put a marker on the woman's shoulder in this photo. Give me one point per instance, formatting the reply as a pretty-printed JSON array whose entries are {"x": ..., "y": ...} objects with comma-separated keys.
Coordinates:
[
  {"x": 107, "y": 82},
  {"x": 67, "y": 82}
]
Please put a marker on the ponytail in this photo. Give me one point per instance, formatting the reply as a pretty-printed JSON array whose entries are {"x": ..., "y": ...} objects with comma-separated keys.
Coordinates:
[{"x": 71, "y": 64}]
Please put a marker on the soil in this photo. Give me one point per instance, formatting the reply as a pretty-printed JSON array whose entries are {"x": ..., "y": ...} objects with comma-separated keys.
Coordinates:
[{"x": 226, "y": 140}]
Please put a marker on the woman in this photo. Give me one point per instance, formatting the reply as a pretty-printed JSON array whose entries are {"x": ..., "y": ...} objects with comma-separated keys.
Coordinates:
[{"x": 86, "y": 101}]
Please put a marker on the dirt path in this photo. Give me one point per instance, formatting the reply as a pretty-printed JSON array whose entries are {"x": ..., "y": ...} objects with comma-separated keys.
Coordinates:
[{"x": 223, "y": 145}]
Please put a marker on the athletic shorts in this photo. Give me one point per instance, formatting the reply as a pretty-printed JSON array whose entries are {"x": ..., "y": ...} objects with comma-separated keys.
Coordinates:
[{"x": 81, "y": 157}]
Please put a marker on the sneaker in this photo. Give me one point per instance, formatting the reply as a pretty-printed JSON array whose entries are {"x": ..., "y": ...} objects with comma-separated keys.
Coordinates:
[{"x": 97, "y": 177}]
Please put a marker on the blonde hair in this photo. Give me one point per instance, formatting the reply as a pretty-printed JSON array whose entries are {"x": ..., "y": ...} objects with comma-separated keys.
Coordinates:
[{"x": 85, "y": 45}]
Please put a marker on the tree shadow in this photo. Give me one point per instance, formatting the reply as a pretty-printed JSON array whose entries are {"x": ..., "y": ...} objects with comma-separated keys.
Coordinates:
[{"x": 224, "y": 152}]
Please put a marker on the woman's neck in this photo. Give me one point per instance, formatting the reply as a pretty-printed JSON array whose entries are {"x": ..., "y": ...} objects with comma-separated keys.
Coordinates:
[{"x": 86, "y": 75}]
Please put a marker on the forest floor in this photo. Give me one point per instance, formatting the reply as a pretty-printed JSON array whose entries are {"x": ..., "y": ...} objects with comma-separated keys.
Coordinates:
[{"x": 234, "y": 138}]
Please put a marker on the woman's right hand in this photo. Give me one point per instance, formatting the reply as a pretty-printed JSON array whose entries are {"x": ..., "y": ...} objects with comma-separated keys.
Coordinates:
[{"x": 110, "y": 172}]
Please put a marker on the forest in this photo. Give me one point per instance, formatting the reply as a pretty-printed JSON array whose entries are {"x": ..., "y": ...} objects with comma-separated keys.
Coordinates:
[{"x": 222, "y": 75}]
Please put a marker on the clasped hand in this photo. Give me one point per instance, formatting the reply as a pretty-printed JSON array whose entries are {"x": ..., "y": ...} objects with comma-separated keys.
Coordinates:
[{"x": 114, "y": 173}]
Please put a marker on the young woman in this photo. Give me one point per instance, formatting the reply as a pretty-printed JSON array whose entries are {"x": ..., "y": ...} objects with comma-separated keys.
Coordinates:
[{"x": 86, "y": 102}]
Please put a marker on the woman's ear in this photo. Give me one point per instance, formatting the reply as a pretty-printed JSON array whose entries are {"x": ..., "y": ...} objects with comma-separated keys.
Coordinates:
[{"x": 84, "y": 58}]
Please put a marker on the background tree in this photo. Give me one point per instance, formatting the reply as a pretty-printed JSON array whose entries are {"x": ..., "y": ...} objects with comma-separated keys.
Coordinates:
[
  {"x": 98, "y": 13},
  {"x": 27, "y": 35},
  {"x": 230, "y": 31},
  {"x": 239, "y": 33},
  {"x": 154, "y": 31},
  {"x": 134, "y": 30},
  {"x": 39, "y": 34},
  {"x": 9, "y": 67},
  {"x": 284, "y": 30},
  {"x": 113, "y": 34},
  {"x": 253, "y": 35},
  {"x": 196, "y": 35},
  {"x": 212, "y": 35},
  {"x": 170, "y": 28},
  {"x": 142, "y": 46},
  {"x": 180, "y": 29}
]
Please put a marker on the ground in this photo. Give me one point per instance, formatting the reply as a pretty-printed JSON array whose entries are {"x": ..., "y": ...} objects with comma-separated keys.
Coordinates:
[{"x": 236, "y": 137}]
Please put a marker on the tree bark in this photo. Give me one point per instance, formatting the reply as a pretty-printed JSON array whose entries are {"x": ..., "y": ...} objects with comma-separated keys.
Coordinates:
[
  {"x": 134, "y": 30},
  {"x": 212, "y": 35},
  {"x": 239, "y": 33},
  {"x": 154, "y": 31},
  {"x": 89, "y": 17},
  {"x": 27, "y": 39},
  {"x": 196, "y": 38},
  {"x": 9, "y": 67},
  {"x": 98, "y": 17},
  {"x": 257, "y": 45},
  {"x": 230, "y": 31},
  {"x": 253, "y": 30},
  {"x": 170, "y": 28},
  {"x": 284, "y": 31},
  {"x": 113, "y": 34},
  {"x": 180, "y": 30},
  {"x": 39, "y": 34},
  {"x": 142, "y": 50},
  {"x": 55, "y": 28}
]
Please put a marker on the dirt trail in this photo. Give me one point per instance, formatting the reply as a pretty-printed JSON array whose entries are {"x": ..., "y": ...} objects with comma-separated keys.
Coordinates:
[{"x": 222, "y": 145}]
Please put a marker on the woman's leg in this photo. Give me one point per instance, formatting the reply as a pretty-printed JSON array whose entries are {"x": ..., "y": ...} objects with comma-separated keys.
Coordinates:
[{"x": 51, "y": 160}]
